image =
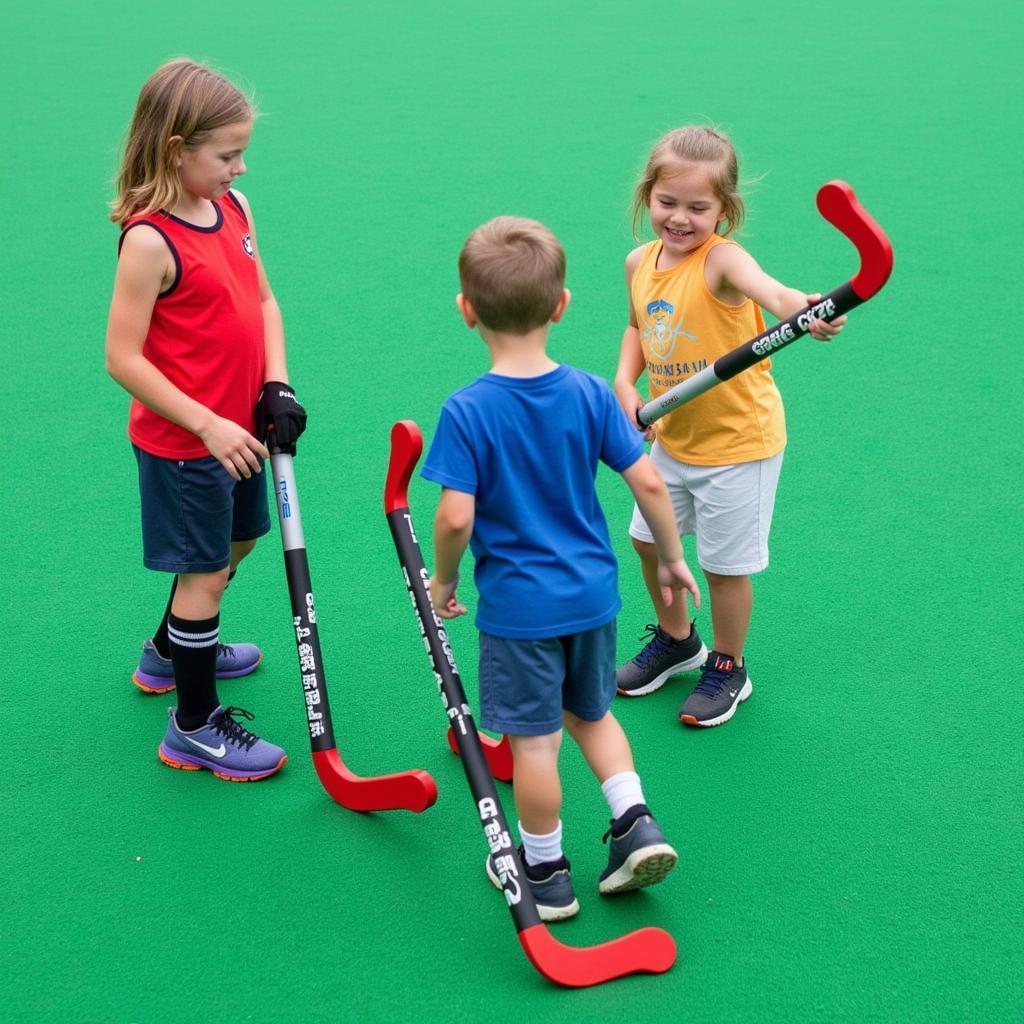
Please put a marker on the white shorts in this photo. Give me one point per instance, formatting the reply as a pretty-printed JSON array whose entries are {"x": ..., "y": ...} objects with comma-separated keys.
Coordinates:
[{"x": 728, "y": 508}]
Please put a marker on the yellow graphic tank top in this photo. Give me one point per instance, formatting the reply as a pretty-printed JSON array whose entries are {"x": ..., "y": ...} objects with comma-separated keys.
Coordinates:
[{"x": 684, "y": 328}]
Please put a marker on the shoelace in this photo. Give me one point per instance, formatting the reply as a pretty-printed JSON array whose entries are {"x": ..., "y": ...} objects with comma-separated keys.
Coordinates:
[
  {"x": 712, "y": 682},
  {"x": 655, "y": 644},
  {"x": 234, "y": 732}
]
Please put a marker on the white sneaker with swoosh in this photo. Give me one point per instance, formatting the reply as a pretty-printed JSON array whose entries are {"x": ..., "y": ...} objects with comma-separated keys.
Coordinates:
[{"x": 222, "y": 745}]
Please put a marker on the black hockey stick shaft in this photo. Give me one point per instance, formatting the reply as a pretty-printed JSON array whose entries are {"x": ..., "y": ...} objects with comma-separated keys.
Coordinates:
[
  {"x": 413, "y": 790},
  {"x": 453, "y": 696},
  {"x": 300, "y": 593},
  {"x": 839, "y": 205}
]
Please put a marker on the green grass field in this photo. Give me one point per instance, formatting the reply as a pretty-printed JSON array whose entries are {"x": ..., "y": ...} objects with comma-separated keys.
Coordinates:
[{"x": 850, "y": 844}]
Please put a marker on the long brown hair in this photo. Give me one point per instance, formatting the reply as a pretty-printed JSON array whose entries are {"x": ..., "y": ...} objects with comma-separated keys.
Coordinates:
[
  {"x": 180, "y": 98},
  {"x": 695, "y": 144}
]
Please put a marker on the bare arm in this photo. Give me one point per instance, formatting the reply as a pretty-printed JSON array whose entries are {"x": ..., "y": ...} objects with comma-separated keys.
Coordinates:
[
  {"x": 143, "y": 269},
  {"x": 273, "y": 322},
  {"x": 631, "y": 353},
  {"x": 733, "y": 275},
  {"x": 656, "y": 507},
  {"x": 453, "y": 526}
]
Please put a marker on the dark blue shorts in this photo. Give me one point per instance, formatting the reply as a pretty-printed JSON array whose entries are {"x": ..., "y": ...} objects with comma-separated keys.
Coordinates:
[
  {"x": 192, "y": 509},
  {"x": 525, "y": 684}
]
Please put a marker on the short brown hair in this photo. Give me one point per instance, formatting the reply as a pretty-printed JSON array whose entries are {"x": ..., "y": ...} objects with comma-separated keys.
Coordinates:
[
  {"x": 513, "y": 272},
  {"x": 696, "y": 144},
  {"x": 180, "y": 98}
]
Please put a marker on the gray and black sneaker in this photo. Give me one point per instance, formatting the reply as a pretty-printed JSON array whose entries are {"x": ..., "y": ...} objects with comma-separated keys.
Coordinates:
[
  {"x": 638, "y": 854},
  {"x": 660, "y": 658},
  {"x": 723, "y": 685},
  {"x": 550, "y": 883}
]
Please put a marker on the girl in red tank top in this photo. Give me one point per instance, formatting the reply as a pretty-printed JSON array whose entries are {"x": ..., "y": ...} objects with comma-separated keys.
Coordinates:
[{"x": 196, "y": 337}]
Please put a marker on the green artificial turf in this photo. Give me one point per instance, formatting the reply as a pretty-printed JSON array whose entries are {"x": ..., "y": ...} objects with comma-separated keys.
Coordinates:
[{"x": 850, "y": 844}]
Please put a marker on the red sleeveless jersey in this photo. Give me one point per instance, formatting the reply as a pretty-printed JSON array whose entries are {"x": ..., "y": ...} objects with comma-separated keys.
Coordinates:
[{"x": 206, "y": 332}]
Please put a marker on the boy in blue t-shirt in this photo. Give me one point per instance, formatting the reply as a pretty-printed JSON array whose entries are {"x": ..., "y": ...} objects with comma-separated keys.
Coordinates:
[{"x": 516, "y": 453}]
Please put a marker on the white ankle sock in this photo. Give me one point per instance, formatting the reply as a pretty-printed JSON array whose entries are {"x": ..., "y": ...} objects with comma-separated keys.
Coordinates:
[
  {"x": 622, "y": 791},
  {"x": 541, "y": 849}
]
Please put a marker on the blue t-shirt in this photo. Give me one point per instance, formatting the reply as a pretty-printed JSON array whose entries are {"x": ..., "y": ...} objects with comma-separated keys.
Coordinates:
[{"x": 527, "y": 448}]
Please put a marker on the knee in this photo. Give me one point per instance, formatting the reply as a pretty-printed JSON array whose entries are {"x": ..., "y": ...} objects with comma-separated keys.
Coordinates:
[
  {"x": 571, "y": 722},
  {"x": 544, "y": 746},
  {"x": 645, "y": 549},
  {"x": 210, "y": 584},
  {"x": 241, "y": 548},
  {"x": 728, "y": 588},
  {"x": 578, "y": 727},
  {"x": 717, "y": 580}
]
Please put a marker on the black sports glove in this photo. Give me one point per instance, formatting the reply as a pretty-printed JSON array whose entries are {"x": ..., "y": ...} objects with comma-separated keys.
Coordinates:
[{"x": 280, "y": 419}]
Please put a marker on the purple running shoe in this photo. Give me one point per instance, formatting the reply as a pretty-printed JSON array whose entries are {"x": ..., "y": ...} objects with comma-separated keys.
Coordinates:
[
  {"x": 155, "y": 674},
  {"x": 222, "y": 745}
]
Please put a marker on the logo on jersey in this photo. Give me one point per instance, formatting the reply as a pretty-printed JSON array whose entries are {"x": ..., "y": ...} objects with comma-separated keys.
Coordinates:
[
  {"x": 660, "y": 330},
  {"x": 247, "y": 246}
]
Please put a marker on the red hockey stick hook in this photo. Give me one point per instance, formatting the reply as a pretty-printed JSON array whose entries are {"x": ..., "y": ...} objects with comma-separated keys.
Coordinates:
[{"x": 839, "y": 205}]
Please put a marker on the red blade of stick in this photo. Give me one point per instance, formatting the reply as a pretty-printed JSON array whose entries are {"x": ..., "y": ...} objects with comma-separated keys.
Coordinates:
[
  {"x": 646, "y": 951},
  {"x": 404, "y": 791},
  {"x": 406, "y": 448},
  {"x": 839, "y": 205},
  {"x": 497, "y": 752}
]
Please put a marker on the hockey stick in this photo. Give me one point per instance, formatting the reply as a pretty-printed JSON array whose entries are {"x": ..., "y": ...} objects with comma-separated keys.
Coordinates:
[
  {"x": 649, "y": 950},
  {"x": 840, "y": 207},
  {"x": 411, "y": 791},
  {"x": 498, "y": 752}
]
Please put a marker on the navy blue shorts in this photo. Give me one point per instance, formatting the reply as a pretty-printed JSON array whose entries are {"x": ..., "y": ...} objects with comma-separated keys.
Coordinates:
[
  {"x": 192, "y": 509},
  {"x": 525, "y": 684}
]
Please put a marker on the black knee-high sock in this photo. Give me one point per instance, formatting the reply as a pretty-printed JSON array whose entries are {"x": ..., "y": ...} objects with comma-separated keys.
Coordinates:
[
  {"x": 160, "y": 636},
  {"x": 160, "y": 641},
  {"x": 193, "y": 645}
]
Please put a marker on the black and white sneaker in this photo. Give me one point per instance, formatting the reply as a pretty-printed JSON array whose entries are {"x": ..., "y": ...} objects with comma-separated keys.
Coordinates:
[
  {"x": 550, "y": 883},
  {"x": 660, "y": 657},
  {"x": 639, "y": 854},
  {"x": 723, "y": 686}
]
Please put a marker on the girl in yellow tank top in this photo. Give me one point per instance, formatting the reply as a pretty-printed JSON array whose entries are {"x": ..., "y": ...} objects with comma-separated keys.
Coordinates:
[
  {"x": 694, "y": 295},
  {"x": 683, "y": 327}
]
